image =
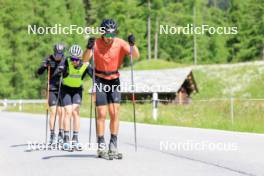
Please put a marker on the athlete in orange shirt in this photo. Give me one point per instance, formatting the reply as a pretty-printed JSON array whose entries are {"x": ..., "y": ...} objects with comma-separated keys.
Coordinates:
[{"x": 109, "y": 53}]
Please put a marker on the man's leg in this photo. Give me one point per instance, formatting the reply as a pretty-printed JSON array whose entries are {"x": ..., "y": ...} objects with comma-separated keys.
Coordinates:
[
  {"x": 76, "y": 100},
  {"x": 67, "y": 103},
  {"x": 76, "y": 121},
  {"x": 67, "y": 118},
  {"x": 76, "y": 117},
  {"x": 101, "y": 116},
  {"x": 114, "y": 117},
  {"x": 114, "y": 98},
  {"x": 61, "y": 115},
  {"x": 114, "y": 125},
  {"x": 101, "y": 112},
  {"x": 52, "y": 117},
  {"x": 52, "y": 110},
  {"x": 51, "y": 124}
]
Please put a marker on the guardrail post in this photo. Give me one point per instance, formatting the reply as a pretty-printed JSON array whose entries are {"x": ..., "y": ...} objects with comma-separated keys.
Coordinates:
[
  {"x": 5, "y": 103},
  {"x": 20, "y": 105},
  {"x": 155, "y": 106}
]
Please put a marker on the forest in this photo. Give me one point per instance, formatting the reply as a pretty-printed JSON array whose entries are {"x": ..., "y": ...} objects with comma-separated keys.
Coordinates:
[{"x": 21, "y": 53}]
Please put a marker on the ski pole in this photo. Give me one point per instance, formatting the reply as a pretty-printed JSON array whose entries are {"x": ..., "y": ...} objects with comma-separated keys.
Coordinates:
[
  {"x": 47, "y": 106},
  {"x": 70, "y": 130},
  {"x": 133, "y": 96},
  {"x": 93, "y": 101},
  {"x": 57, "y": 103},
  {"x": 91, "y": 113}
]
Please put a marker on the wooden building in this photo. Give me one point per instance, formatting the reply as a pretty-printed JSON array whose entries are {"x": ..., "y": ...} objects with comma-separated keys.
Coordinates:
[{"x": 171, "y": 85}]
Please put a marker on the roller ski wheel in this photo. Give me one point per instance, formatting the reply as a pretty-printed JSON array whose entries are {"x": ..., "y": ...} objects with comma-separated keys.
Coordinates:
[
  {"x": 76, "y": 146},
  {"x": 60, "y": 140},
  {"x": 66, "y": 144},
  {"x": 115, "y": 155},
  {"x": 66, "y": 147},
  {"x": 104, "y": 155}
]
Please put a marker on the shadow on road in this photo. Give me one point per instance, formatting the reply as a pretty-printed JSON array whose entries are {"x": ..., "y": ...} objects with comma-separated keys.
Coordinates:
[
  {"x": 18, "y": 145},
  {"x": 69, "y": 156}
]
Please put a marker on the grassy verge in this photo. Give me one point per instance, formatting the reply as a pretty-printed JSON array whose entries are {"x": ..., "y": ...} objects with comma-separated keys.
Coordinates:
[{"x": 248, "y": 115}]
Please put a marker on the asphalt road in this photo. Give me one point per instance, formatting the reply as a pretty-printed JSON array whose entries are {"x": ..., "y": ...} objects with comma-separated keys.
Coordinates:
[{"x": 162, "y": 150}]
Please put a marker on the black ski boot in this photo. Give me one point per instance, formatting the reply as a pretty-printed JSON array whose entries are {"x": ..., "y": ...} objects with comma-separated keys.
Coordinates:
[
  {"x": 75, "y": 143},
  {"x": 60, "y": 139},
  {"x": 52, "y": 140},
  {"x": 66, "y": 143}
]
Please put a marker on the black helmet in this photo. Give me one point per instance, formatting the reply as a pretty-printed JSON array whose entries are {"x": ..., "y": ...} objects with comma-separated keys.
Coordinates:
[
  {"x": 109, "y": 26},
  {"x": 58, "y": 50}
]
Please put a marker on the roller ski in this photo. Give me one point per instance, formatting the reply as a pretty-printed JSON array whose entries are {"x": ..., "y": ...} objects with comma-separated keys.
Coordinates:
[
  {"x": 102, "y": 153},
  {"x": 115, "y": 155},
  {"x": 113, "y": 152}
]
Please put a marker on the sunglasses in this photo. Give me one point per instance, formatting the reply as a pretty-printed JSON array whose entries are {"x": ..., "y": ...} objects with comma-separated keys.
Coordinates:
[
  {"x": 58, "y": 56},
  {"x": 110, "y": 35},
  {"x": 73, "y": 59}
]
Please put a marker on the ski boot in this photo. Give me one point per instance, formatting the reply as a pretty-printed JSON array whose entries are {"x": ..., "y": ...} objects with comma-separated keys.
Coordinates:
[
  {"x": 52, "y": 141},
  {"x": 113, "y": 152},
  {"x": 75, "y": 144},
  {"x": 102, "y": 152},
  {"x": 60, "y": 138},
  {"x": 66, "y": 143}
]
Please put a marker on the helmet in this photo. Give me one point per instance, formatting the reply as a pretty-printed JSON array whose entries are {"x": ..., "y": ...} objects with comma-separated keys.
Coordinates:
[
  {"x": 58, "y": 50},
  {"x": 75, "y": 51},
  {"x": 109, "y": 26}
]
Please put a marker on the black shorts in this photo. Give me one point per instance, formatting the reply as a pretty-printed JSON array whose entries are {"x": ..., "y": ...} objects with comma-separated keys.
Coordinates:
[
  {"x": 71, "y": 96},
  {"x": 107, "y": 91},
  {"x": 53, "y": 98}
]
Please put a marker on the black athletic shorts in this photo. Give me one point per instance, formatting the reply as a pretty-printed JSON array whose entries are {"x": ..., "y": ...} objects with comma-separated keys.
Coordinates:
[
  {"x": 107, "y": 91},
  {"x": 71, "y": 96},
  {"x": 53, "y": 98}
]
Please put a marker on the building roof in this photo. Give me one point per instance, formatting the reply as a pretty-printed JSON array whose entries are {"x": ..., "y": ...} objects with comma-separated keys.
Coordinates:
[{"x": 160, "y": 81}]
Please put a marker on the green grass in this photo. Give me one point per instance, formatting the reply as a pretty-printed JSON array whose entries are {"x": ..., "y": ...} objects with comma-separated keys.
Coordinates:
[
  {"x": 242, "y": 82},
  {"x": 248, "y": 115}
]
